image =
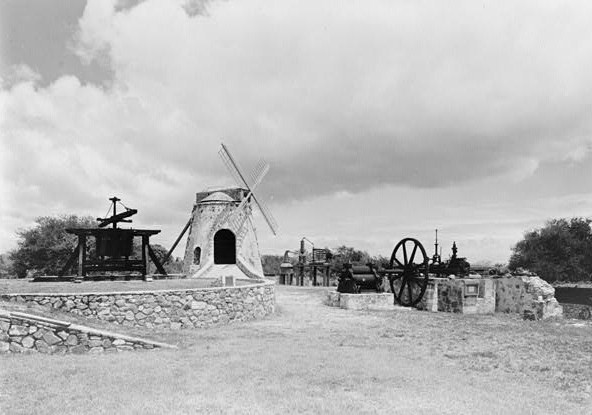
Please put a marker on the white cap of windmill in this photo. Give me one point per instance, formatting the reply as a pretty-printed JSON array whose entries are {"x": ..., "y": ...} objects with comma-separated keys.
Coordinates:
[{"x": 238, "y": 216}]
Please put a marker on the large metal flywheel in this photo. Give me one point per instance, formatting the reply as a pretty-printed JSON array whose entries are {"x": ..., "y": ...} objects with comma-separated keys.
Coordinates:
[{"x": 410, "y": 281}]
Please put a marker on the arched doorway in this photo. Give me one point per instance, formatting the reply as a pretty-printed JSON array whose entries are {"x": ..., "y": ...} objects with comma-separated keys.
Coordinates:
[{"x": 224, "y": 247}]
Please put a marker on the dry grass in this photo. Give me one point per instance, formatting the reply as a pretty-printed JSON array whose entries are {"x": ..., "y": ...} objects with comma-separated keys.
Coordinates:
[{"x": 309, "y": 358}]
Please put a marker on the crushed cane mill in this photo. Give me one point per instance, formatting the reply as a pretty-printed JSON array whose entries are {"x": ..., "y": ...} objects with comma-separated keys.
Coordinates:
[{"x": 408, "y": 272}]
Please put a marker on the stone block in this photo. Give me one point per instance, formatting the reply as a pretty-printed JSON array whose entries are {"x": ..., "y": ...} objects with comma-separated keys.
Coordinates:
[
  {"x": 95, "y": 343},
  {"x": 18, "y": 330},
  {"x": 366, "y": 301},
  {"x": 51, "y": 339},
  {"x": 198, "y": 305},
  {"x": 71, "y": 340},
  {"x": 16, "y": 348},
  {"x": 4, "y": 347},
  {"x": 78, "y": 349},
  {"x": 28, "y": 342},
  {"x": 59, "y": 349},
  {"x": 124, "y": 348}
]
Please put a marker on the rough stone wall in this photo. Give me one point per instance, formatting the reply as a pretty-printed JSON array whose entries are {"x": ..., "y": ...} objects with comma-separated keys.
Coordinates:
[
  {"x": 369, "y": 301},
  {"x": 169, "y": 309},
  {"x": 20, "y": 333},
  {"x": 451, "y": 295},
  {"x": 527, "y": 295},
  {"x": 576, "y": 311}
]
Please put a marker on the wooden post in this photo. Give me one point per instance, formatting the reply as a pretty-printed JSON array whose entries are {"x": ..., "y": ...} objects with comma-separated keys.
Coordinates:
[
  {"x": 81, "y": 258},
  {"x": 144, "y": 255}
]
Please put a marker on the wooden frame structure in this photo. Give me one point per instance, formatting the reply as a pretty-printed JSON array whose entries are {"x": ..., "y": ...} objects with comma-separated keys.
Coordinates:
[
  {"x": 113, "y": 240},
  {"x": 114, "y": 247}
]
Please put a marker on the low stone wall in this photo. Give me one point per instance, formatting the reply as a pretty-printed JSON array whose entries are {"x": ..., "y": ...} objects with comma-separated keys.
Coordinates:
[
  {"x": 174, "y": 309},
  {"x": 462, "y": 295},
  {"x": 365, "y": 301},
  {"x": 25, "y": 333},
  {"x": 577, "y": 311},
  {"x": 528, "y": 295}
]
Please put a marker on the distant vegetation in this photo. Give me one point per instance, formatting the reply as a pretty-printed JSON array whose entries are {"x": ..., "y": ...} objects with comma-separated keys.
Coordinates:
[
  {"x": 559, "y": 251},
  {"x": 44, "y": 248},
  {"x": 340, "y": 256}
]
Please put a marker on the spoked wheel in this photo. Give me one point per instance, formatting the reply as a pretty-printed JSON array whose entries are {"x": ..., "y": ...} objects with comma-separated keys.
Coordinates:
[
  {"x": 585, "y": 314},
  {"x": 410, "y": 282}
]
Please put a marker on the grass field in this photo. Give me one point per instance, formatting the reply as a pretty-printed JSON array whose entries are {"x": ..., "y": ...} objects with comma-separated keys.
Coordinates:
[{"x": 310, "y": 358}]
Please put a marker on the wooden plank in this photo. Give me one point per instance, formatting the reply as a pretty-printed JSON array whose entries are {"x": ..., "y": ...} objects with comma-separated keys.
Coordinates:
[
  {"x": 81, "y": 249},
  {"x": 154, "y": 259},
  {"x": 117, "y": 218},
  {"x": 168, "y": 255},
  {"x": 145, "y": 246},
  {"x": 98, "y": 231}
]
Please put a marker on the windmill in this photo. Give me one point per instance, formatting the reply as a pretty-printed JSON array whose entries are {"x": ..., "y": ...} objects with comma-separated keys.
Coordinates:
[{"x": 222, "y": 237}]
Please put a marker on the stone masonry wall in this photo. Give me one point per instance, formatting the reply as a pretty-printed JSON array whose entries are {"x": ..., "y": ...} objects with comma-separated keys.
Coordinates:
[
  {"x": 453, "y": 295},
  {"x": 527, "y": 295},
  {"x": 23, "y": 333},
  {"x": 174, "y": 309}
]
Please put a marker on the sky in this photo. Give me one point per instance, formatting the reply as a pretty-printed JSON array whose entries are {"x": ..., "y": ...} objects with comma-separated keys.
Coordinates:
[{"x": 380, "y": 119}]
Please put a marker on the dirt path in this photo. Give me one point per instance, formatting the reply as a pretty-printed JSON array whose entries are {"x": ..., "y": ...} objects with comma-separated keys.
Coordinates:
[{"x": 310, "y": 358}]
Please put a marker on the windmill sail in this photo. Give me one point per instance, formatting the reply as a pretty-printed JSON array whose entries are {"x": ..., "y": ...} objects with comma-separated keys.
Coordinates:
[{"x": 237, "y": 219}]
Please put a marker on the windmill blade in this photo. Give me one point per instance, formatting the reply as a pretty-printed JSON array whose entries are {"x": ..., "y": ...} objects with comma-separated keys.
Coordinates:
[
  {"x": 267, "y": 215},
  {"x": 232, "y": 166},
  {"x": 262, "y": 168},
  {"x": 258, "y": 175},
  {"x": 260, "y": 171}
]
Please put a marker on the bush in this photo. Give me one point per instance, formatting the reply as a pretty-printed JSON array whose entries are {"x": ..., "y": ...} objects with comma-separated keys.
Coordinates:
[
  {"x": 45, "y": 248},
  {"x": 560, "y": 251}
]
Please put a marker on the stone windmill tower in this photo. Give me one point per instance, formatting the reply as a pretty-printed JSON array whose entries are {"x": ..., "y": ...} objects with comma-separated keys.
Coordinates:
[{"x": 222, "y": 237}]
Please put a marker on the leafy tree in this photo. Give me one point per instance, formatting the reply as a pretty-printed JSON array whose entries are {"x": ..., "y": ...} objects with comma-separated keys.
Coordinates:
[
  {"x": 344, "y": 254},
  {"x": 45, "y": 248},
  {"x": 5, "y": 266},
  {"x": 271, "y": 264},
  {"x": 560, "y": 251}
]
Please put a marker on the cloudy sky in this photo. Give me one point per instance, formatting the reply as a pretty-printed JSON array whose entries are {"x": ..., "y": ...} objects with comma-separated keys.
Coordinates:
[{"x": 380, "y": 119}]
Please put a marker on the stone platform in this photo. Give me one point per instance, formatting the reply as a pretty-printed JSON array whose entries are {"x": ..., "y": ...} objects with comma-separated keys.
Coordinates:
[{"x": 363, "y": 301}]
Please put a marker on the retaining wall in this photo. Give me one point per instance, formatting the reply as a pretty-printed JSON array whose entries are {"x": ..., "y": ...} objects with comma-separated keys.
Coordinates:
[
  {"x": 461, "y": 295},
  {"x": 174, "y": 309},
  {"x": 528, "y": 295},
  {"x": 25, "y": 333}
]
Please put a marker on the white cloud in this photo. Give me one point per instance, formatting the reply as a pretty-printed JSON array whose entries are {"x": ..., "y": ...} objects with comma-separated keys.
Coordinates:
[{"x": 342, "y": 97}]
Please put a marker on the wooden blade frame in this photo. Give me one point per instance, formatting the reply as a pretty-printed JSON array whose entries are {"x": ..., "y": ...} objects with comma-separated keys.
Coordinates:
[{"x": 259, "y": 173}]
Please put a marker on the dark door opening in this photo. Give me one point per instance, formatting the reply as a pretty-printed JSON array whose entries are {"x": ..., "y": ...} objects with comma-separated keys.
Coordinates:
[{"x": 224, "y": 247}]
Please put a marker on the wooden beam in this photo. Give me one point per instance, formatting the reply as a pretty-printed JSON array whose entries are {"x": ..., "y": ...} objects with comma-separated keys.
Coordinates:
[
  {"x": 117, "y": 218},
  {"x": 154, "y": 259},
  {"x": 168, "y": 255},
  {"x": 70, "y": 262}
]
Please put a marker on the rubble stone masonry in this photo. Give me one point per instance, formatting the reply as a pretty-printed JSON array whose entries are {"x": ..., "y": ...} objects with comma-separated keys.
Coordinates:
[{"x": 174, "y": 309}]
